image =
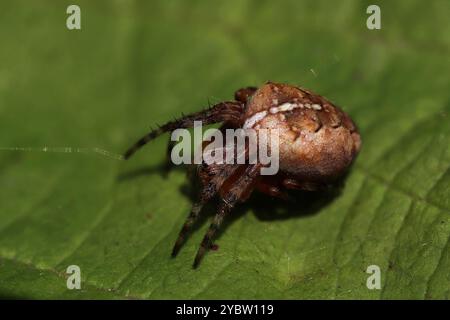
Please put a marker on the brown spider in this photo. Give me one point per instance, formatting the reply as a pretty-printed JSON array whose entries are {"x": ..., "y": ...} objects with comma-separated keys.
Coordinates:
[{"x": 317, "y": 143}]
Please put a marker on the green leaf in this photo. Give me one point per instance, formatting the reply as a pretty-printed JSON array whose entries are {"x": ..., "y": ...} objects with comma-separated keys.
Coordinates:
[{"x": 135, "y": 64}]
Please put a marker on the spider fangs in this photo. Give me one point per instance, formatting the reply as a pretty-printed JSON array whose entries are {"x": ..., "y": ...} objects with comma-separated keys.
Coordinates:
[{"x": 317, "y": 143}]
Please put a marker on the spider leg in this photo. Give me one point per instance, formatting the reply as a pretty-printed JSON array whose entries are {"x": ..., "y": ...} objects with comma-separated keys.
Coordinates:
[
  {"x": 168, "y": 163},
  {"x": 213, "y": 177},
  {"x": 294, "y": 184},
  {"x": 224, "y": 111},
  {"x": 244, "y": 94},
  {"x": 273, "y": 191},
  {"x": 271, "y": 187},
  {"x": 193, "y": 216},
  {"x": 239, "y": 189}
]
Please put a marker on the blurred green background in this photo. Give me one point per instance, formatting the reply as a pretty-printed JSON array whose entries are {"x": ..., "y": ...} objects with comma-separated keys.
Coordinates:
[{"x": 135, "y": 64}]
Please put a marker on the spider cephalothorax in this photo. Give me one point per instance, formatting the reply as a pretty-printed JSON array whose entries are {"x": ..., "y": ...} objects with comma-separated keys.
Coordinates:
[{"x": 317, "y": 143}]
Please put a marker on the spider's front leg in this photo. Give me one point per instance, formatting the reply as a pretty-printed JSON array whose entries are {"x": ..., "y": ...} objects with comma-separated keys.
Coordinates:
[
  {"x": 212, "y": 176},
  {"x": 230, "y": 111},
  {"x": 240, "y": 189}
]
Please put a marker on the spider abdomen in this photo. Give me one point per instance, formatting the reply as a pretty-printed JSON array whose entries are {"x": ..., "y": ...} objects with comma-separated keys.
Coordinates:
[{"x": 317, "y": 140}]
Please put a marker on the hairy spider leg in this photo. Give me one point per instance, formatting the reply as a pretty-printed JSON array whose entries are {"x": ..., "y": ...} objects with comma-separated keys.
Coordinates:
[
  {"x": 224, "y": 111},
  {"x": 168, "y": 164},
  {"x": 209, "y": 190},
  {"x": 193, "y": 216},
  {"x": 213, "y": 177},
  {"x": 241, "y": 188}
]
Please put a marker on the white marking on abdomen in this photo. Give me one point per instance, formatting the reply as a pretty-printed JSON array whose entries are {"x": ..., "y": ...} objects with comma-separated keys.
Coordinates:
[
  {"x": 250, "y": 122},
  {"x": 291, "y": 106},
  {"x": 284, "y": 107}
]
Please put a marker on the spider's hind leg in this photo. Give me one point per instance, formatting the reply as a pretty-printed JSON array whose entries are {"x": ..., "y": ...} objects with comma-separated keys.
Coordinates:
[{"x": 270, "y": 185}]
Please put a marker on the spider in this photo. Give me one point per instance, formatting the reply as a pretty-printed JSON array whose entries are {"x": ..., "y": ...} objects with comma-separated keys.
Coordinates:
[{"x": 317, "y": 144}]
